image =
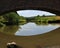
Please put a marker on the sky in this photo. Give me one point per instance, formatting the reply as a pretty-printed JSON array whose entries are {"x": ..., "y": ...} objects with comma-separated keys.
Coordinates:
[{"x": 30, "y": 13}]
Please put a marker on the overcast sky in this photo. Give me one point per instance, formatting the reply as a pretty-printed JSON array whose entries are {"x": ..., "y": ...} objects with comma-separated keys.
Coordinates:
[{"x": 30, "y": 13}]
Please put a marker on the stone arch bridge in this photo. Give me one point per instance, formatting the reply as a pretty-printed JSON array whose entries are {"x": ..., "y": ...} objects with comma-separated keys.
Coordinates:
[
  {"x": 52, "y": 38},
  {"x": 52, "y": 6}
]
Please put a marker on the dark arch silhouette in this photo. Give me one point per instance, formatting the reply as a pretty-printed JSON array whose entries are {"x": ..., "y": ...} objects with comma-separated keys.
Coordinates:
[{"x": 52, "y": 6}]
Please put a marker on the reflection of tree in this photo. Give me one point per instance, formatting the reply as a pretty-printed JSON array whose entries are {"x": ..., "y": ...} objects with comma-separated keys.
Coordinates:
[
  {"x": 22, "y": 22},
  {"x": 2, "y": 28},
  {"x": 12, "y": 29},
  {"x": 45, "y": 23},
  {"x": 9, "y": 29},
  {"x": 40, "y": 23}
]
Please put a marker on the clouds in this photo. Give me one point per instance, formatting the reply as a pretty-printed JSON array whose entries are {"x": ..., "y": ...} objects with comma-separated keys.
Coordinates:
[{"x": 29, "y": 13}]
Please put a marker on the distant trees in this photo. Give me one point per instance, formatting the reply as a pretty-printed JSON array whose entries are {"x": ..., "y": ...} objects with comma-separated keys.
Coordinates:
[
  {"x": 42, "y": 18},
  {"x": 21, "y": 18},
  {"x": 12, "y": 18}
]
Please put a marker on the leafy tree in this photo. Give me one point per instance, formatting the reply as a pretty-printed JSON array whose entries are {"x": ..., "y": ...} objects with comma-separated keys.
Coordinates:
[{"x": 11, "y": 18}]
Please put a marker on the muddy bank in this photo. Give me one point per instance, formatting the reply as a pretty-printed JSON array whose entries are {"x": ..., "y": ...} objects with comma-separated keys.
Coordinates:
[{"x": 48, "y": 39}]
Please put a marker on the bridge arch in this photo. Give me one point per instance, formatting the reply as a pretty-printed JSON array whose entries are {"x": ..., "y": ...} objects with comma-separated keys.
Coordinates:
[{"x": 45, "y": 5}]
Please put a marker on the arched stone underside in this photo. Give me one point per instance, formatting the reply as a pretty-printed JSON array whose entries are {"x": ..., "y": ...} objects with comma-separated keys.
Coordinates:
[{"x": 52, "y": 6}]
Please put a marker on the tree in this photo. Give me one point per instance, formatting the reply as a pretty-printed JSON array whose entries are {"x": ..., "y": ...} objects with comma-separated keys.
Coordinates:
[{"x": 11, "y": 18}]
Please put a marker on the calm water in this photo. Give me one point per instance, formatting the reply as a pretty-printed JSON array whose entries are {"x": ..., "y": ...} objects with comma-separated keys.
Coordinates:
[
  {"x": 33, "y": 29},
  {"x": 28, "y": 29}
]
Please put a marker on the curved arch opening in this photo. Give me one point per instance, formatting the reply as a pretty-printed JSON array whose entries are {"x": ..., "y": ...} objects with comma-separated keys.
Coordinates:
[{"x": 30, "y": 22}]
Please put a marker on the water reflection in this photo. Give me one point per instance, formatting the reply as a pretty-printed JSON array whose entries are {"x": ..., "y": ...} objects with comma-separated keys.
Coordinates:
[
  {"x": 34, "y": 29},
  {"x": 10, "y": 30},
  {"x": 28, "y": 28}
]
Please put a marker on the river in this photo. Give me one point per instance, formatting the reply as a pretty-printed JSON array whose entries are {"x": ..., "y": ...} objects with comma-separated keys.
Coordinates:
[{"x": 28, "y": 29}]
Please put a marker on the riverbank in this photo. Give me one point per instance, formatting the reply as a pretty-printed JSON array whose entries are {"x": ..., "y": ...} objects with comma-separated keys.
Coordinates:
[{"x": 48, "y": 39}]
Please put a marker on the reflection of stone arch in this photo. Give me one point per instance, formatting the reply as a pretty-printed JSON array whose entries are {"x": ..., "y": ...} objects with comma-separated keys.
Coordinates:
[{"x": 47, "y": 5}]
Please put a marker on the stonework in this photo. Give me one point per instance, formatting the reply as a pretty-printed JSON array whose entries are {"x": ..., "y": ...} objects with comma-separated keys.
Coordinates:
[{"x": 14, "y": 5}]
